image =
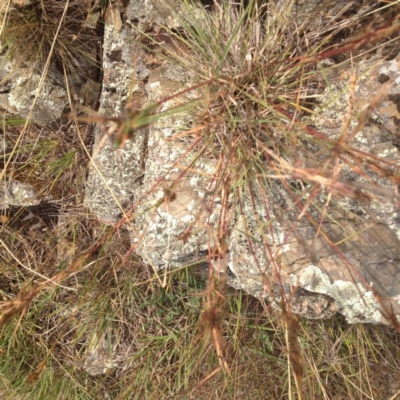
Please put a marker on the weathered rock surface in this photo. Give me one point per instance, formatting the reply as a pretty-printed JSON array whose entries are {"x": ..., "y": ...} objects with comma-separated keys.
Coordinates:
[
  {"x": 357, "y": 263},
  {"x": 19, "y": 85},
  {"x": 352, "y": 265},
  {"x": 115, "y": 175},
  {"x": 18, "y": 91},
  {"x": 39, "y": 94},
  {"x": 19, "y": 194}
]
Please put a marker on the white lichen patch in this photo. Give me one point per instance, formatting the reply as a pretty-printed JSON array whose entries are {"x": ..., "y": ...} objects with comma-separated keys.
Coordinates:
[
  {"x": 194, "y": 180},
  {"x": 165, "y": 219},
  {"x": 361, "y": 138},
  {"x": 381, "y": 208},
  {"x": 388, "y": 153},
  {"x": 388, "y": 67},
  {"x": 354, "y": 301},
  {"x": 313, "y": 280}
]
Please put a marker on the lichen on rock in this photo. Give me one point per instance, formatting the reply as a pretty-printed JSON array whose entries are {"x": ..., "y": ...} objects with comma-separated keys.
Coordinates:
[{"x": 17, "y": 194}]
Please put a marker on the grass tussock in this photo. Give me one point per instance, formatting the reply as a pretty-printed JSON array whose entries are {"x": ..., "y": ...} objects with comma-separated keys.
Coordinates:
[
  {"x": 266, "y": 72},
  {"x": 82, "y": 317},
  {"x": 33, "y": 32}
]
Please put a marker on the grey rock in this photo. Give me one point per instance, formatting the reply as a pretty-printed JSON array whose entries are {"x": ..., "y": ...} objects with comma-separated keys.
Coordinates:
[
  {"x": 18, "y": 89},
  {"x": 17, "y": 194},
  {"x": 48, "y": 106},
  {"x": 115, "y": 174}
]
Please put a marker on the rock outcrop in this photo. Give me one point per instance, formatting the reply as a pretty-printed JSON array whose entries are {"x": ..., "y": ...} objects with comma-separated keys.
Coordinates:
[{"x": 339, "y": 256}]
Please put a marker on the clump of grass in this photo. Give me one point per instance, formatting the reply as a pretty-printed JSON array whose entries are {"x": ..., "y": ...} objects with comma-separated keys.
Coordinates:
[
  {"x": 32, "y": 32},
  {"x": 263, "y": 73},
  {"x": 264, "y": 76}
]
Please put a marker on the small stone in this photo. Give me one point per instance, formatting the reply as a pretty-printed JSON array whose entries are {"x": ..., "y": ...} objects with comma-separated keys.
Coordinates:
[{"x": 17, "y": 194}]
